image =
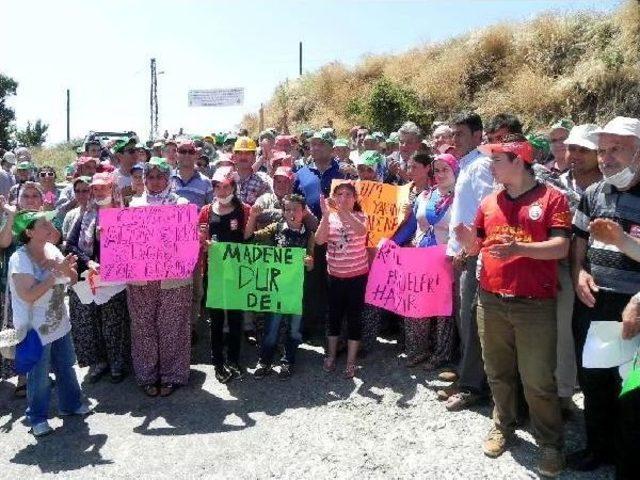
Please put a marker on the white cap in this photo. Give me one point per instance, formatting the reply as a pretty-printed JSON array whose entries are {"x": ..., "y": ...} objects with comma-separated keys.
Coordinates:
[
  {"x": 9, "y": 157},
  {"x": 583, "y": 136},
  {"x": 625, "y": 126}
]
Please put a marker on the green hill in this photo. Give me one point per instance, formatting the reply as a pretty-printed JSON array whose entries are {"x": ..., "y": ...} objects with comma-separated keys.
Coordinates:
[{"x": 585, "y": 66}]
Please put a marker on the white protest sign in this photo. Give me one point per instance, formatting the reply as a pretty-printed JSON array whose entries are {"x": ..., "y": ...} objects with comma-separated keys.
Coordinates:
[{"x": 218, "y": 97}]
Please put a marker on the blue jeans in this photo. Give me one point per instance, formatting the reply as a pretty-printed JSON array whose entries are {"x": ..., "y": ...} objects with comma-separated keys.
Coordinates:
[
  {"x": 58, "y": 357},
  {"x": 270, "y": 340}
]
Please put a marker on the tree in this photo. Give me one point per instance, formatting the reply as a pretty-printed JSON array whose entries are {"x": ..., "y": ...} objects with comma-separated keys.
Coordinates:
[
  {"x": 33, "y": 136},
  {"x": 390, "y": 105},
  {"x": 8, "y": 87}
]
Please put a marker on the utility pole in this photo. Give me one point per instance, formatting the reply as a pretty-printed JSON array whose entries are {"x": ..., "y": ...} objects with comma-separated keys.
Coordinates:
[
  {"x": 300, "y": 60},
  {"x": 68, "y": 115},
  {"x": 261, "y": 123},
  {"x": 153, "y": 102}
]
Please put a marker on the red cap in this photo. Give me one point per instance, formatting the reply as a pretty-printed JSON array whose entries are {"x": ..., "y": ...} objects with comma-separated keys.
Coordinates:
[
  {"x": 285, "y": 141},
  {"x": 187, "y": 147},
  {"x": 522, "y": 150},
  {"x": 224, "y": 175},
  {"x": 84, "y": 159}
]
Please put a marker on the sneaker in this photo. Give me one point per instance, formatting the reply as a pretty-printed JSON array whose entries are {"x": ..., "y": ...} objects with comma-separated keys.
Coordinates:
[
  {"x": 446, "y": 392},
  {"x": 448, "y": 376},
  {"x": 462, "y": 400},
  {"x": 236, "y": 370},
  {"x": 262, "y": 370},
  {"x": 286, "y": 370},
  {"x": 495, "y": 443},
  {"x": 550, "y": 462},
  {"x": 41, "y": 429},
  {"x": 223, "y": 375},
  {"x": 81, "y": 410},
  {"x": 96, "y": 372}
]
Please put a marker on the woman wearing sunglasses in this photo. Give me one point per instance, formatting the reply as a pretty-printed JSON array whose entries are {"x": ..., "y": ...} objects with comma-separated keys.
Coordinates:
[{"x": 47, "y": 180}]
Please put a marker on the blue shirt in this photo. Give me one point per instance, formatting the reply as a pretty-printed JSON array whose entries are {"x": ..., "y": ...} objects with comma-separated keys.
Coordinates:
[
  {"x": 197, "y": 190},
  {"x": 324, "y": 179}
]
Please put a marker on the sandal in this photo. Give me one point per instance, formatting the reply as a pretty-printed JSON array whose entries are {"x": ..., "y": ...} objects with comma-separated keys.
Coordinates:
[
  {"x": 350, "y": 371},
  {"x": 329, "y": 365},
  {"x": 167, "y": 389},
  {"x": 150, "y": 390}
]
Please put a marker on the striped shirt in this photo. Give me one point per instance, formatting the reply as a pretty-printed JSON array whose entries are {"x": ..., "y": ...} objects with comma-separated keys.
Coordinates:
[
  {"x": 346, "y": 251},
  {"x": 611, "y": 269}
]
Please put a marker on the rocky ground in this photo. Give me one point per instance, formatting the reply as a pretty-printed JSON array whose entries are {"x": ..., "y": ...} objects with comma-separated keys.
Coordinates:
[{"x": 387, "y": 423}]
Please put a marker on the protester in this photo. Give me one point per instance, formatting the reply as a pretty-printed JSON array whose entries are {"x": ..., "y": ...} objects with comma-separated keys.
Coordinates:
[
  {"x": 288, "y": 232},
  {"x": 186, "y": 181},
  {"x": 502, "y": 125},
  {"x": 341, "y": 151},
  {"x": 442, "y": 135},
  {"x": 160, "y": 310},
  {"x": 38, "y": 273},
  {"x": 100, "y": 332},
  {"x": 557, "y": 135},
  {"x": 410, "y": 137},
  {"x": 251, "y": 184},
  {"x": 605, "y": 280},
  {"x": 47, "y": 180},
  {"x": 170, "y": 152},
  {"x": 430, "y": 340},
  {"x": 137, "y": 180},
  {"x": 82, "y": 194},
  {"x": 7, "y": 180},
  {"x": 224, "y": 220},
  {"x": 125, "y": 151},
  {"x": 367, "y": 165},
  {"x": 393, "y": 143},
  {"x": 345, "y": 233},
  {"x": 523, "y": 228},
  {"x": 24, "y": 173},
  {"x": 85, "y": 167},
  {"x": 474, "y": 182}
]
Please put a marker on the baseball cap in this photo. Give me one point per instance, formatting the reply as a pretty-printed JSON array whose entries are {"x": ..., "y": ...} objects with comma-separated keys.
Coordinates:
[
  {"x": 244, "y": 144},
  {"x": 9, "y": 157},
  {"x": 522, "y": 150},
  {"x": 266, "y": 134},
  {"x": 186, "y": 147},
  {"x": 224, "y": 158},
  {"x": 84, "y": 160},
  {"x": 224, "y": 175},
  {"x": 564, "y": 124},
  {"x": 25, "y": 218},
  {"x": 583, "y": 136},
  {"x": 624, "y": 126},
  {"x": 103, "y": 178},
  {"x": 159, "y": 163},
  {"x": 25, "y": 165},
  {"x": 120, "y": 145},
  {"x": 22, "y": 154},
  {"x": 324, "y": 136},
  {"x": 341, "y": 142},
  {"x": 170, "y": 141},
  {"x": 284, "y": 141},
  {"x": 370, "y": 158},
  {"x": 394, "y": 137}
]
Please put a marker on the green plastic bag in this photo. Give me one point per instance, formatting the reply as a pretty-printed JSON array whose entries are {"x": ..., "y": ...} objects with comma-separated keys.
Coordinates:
[{"x": 633, "y": 379}]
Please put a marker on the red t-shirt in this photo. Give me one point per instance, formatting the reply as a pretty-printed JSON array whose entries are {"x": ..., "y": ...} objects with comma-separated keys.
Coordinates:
[{"x": 534, "y": 216}]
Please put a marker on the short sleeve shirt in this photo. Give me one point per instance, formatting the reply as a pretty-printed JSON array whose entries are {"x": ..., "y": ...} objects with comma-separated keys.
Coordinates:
[
  {"x": 346, "y": 251},
  {"x": 534, "y": 216}
]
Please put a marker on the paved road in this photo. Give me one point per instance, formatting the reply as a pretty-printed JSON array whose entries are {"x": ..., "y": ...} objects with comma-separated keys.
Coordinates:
[{"x": 387, "y": 423}]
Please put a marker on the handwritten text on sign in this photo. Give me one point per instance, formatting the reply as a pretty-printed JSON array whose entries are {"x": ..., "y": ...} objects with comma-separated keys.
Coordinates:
[
  {"x": 148, "y": 243},
  {"x": 255, "y": 278},
  {"x": 383, "y": 205},
  {"x": 412, "y": 282}
]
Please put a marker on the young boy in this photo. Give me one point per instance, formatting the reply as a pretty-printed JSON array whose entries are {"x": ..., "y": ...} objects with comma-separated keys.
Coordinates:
[{"x": 290, "y": 232}]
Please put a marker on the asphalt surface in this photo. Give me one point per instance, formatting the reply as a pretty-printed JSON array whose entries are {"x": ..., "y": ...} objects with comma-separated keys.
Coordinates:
[{"x": 386, "y": 423}]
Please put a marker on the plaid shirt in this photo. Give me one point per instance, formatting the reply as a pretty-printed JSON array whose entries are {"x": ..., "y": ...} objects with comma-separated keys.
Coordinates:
[{"x": 253, "y": 186}]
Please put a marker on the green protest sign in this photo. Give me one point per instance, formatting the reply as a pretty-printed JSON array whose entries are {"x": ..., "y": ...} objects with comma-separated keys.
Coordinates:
[
  {"x": 256, "y": 278},
  {"x": 632, "y": 382}
]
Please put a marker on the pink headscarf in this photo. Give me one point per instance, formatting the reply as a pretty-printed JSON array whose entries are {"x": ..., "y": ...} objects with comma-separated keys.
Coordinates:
[{"x": 449, "y": 160}]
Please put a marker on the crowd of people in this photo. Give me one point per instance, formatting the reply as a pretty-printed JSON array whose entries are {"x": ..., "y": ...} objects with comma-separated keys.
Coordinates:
[{"x": 543, "y": 232}]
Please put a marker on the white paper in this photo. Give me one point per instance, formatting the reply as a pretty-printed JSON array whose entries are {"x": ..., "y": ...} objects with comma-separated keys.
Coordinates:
[
  {"x": 104, "y": 291},
  {"x": 605, "y": 347}
]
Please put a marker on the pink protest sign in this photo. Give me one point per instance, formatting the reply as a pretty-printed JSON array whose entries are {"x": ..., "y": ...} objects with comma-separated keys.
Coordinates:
[
  {"x": 412, "y": 282},
  {"x": 148, "y": 243}
]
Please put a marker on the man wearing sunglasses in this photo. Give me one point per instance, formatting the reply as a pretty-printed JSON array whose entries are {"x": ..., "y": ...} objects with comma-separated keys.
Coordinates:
[
  {"x": 186, "y": 181},
  {"x": 125, "y": 151}
]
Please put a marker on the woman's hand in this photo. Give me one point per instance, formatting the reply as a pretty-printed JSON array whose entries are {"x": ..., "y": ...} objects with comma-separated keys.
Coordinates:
[
  {"x": 7, "y": 208},
  {"x": 308, "y": 262},
  {"x": 324, "y": 205},
  {"x": 93, "y": 267}
]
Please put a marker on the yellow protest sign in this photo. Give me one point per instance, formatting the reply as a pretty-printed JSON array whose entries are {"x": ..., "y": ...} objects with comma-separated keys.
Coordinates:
[{"x": 383, "y": 205}]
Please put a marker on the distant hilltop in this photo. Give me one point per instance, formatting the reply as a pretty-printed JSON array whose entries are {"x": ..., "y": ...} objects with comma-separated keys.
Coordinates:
[{"x": 581, "y": 65}]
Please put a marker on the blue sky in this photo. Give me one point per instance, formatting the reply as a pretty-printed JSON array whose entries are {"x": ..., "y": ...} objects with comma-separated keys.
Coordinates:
[{"x": 101, "y": 50}]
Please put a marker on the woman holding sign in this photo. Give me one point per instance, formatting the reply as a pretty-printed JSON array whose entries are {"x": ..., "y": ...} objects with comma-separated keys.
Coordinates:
[
  {"x": 100, "y": 332},
  {"x": 344, "y": 229},
  {"x": 430, "y": 340},
  {"x": 160, "y": 310},
  {"x": 224, "y": 220}
]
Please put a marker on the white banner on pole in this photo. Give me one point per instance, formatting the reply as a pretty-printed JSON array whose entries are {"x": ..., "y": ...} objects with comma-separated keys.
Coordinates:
[{"x": 217, "y": 97}]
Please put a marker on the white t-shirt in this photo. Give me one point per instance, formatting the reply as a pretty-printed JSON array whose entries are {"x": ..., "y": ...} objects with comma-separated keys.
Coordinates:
[{"x": 48, "y": 315}]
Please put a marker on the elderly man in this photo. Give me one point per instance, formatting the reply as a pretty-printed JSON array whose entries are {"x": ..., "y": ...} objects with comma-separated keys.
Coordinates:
[
  {"x": 410, "y": 137},
  {"x": 605, "y": 281},
  {"x": 557, "y": 135},
  {"x": 252, "y": 184}
]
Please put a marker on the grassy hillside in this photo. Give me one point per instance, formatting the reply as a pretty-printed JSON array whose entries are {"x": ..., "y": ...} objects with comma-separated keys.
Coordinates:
[{"x": 585, "y": 66}]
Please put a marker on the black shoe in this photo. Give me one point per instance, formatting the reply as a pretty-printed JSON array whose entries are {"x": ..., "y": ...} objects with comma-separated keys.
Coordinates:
[
  {"x": 262, "y": 370},
  {"x": 223, "y": 375},
  {"x": 250, "y": 337},
  {"x": 286, "y": 370},
  {"x": 117, "y": 377},
  {"x": 585, "y": 461},
  {"x": 194, "y": 337},
  {"x": 236, "y": 370}
]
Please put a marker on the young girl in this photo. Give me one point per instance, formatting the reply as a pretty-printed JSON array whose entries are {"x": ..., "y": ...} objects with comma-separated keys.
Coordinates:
[
  {"x": 224, "y": 221},
  {"x": 344, "y": 230}
]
